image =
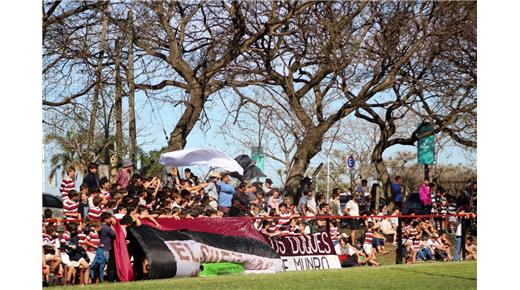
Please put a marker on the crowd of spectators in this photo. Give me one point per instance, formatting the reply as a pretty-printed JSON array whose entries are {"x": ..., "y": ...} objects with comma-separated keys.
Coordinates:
[{"x": 82, "y": 251}]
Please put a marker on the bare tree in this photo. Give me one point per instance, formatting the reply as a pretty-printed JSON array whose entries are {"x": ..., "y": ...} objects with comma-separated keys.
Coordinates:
[
  {"x": 327, "y": 62},
  {"x": 439, "y": 87},
  {"x": 193, "y": 44}
]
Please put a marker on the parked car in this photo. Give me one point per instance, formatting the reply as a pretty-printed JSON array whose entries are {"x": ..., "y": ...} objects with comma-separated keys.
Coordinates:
[
  {"x": 53, "y": 202},
  {"x": 412, "y": 204}
]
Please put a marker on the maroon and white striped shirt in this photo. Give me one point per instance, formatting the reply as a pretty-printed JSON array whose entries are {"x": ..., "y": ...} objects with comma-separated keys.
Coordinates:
[
  {"x": 105, "y": 194},
  {"x": 283, "y": 224},
  {"x": 70, "y": 206},
  {"x": 67, "y": 184},
  {"x": 92, "y": 238},
  {"x": 81, "y": 237},
  {"x": 94, "y": 213},
  {"x": 369, "y": 236},
  {"x": 65, "y": 237}
]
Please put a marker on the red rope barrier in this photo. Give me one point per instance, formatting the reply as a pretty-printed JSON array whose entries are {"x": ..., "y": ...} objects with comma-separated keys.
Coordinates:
[{"x": 470, "y": 215}]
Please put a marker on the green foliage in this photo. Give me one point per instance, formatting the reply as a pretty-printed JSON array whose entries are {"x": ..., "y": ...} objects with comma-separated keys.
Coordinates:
[{"x": 150, "y": 166}]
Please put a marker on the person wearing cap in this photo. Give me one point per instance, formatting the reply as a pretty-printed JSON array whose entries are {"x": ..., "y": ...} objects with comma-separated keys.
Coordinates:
[
  {"x": 226, "y": 193},
  {"x": 212, "y": 189},
  {"x": 124, "y": 174},
  {"x": 267, "y": 187},
  {"x": 92, "y": 179}
]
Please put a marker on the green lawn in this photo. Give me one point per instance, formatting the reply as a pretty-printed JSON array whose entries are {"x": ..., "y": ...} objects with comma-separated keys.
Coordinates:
[{"x": 439, "y": 275}]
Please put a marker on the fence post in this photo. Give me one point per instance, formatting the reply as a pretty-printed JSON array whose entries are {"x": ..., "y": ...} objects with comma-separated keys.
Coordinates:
[
  {"x": 463, "y": 225},
  {"x": 399, "y": 248},
  {"x": 327, "y": 225}
]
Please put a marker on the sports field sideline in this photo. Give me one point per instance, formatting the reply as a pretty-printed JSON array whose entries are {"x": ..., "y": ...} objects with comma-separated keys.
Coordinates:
[{"x": 449, "y": 275}]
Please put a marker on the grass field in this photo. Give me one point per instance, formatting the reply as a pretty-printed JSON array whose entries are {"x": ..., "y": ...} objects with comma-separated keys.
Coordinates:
[{"x": 449, "y": 275}]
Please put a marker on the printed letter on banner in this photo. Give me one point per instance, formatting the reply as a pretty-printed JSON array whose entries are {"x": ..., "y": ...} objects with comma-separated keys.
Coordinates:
[{"x": 309, "y": 252}]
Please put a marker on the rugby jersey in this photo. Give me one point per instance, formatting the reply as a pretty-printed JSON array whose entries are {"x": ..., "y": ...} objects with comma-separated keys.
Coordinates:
[
  {"x": 70, "y": 206},
  {"x": 369, "y": 236},
  {"x": 452, "y": 208},
  {"x": 92, "y": 238},
  {"x": 94, "y": 213},
  {"x": 81, "y": 237},
  {"x": 105, "y": 194},
  {"x": 442, "y": 202},
  {"x": 67, "y": 184},
  {"x": 283, "y": 224},
  {"x": 65, "y": 237}
]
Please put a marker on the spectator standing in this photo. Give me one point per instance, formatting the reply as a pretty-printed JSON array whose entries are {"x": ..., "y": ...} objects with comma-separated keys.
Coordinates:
[
  {"x": 70, "y": 206},
  {"x": 397, "y": 192},
  {"x": 312, "y": 207},
  {"x": 334, "y": 204},
  {"x": 302, "y": 203},
  {"x": 226, "y": 193},
  {"x": 68, "y": 183},
  {"x": 274, "y": 200},
  {"x": 242, "y": 197},
  {"x": 105, "y": 188},
  {"x": 267, "y": 187},
  {"x": 352, "y": 209},
  {"x": 83, "y": 205},
  {"x": 124, "y": 174},
  {"x": 425, "y": 196},
  {"x": 106, "y": 239},
  {"x": 92, "y": 179}
]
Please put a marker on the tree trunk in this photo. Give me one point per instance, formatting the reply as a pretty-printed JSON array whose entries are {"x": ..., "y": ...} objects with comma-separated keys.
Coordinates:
[
  {"x": 131, "y": 99},
  {"x": 118, "y": 103},
  {"x": 188, "y": 119},
  {"x": 97, "y": 90},
  {"x": 305, "y": 151},
  {"x": 382, "y": 172}
]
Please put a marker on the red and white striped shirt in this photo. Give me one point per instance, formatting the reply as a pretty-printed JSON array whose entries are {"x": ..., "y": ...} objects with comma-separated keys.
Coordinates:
[
  {"x": 67, "y": 184},
  {"x": 369, "y": 236},
  {"x": 92, "y": 238},
  {"x": 81, "y": 237},
  {"x": 70, "y": 206},
  {"x": 94, "y": 213},
  {"x": 48, "y": 240},
  {"x": 283, "y": 224},
  {"x": 105, "y": 194},
  {"x": 65, "y": 237}
]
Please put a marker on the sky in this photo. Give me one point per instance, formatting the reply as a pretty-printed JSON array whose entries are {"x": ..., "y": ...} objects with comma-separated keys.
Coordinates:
[{"x": 153, "y": 119}]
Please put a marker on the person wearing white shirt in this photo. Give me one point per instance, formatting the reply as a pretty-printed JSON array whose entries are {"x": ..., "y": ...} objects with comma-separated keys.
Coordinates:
[{"x": 352, "y": 209}]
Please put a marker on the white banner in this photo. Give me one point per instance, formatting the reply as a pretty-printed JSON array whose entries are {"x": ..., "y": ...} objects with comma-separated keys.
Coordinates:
[
  {"x": 201, "y": 157},
  {"x": 304, "y": 263}
]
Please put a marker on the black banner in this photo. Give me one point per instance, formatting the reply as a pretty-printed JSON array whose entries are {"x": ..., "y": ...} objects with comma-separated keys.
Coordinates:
[{"x": 180, "y": 253}]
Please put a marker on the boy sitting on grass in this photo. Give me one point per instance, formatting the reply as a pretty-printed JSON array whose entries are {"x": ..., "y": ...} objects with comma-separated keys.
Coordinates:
[{"x": 471, "y": 249}]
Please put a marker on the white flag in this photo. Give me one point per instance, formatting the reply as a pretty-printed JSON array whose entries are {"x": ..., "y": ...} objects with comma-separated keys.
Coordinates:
[{"x": 204, "y": 157}]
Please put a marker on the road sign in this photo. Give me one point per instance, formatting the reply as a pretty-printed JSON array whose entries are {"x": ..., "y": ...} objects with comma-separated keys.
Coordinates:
[
  {"x": 426, "y": 145},
  {"x": 351, "y": 162}
]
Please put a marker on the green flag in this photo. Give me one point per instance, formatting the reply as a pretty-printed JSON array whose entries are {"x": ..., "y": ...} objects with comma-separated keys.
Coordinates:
[
  {"x": 426, "y": 146},
  {"x": 257, "y": 154}
]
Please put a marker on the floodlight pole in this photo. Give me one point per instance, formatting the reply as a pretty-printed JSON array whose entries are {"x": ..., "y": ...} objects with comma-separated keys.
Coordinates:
[{"x": 328, "y": 176}]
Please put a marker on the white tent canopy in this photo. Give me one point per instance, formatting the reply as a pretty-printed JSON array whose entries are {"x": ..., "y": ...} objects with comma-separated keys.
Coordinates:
[{"x": 201, "y": 157}]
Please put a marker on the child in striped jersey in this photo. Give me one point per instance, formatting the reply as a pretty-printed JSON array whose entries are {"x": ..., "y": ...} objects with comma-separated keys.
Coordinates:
[
  {"x": 283, "y": 224},
  {"x": 95, "y": 212},
  {"x": 367, "y": 245},
  {"x": 452, "y": 209},
  {"x": 68, "y": 183},
  {"x": 91, "y": 243},
  {"x": 70, "y": 206}
]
